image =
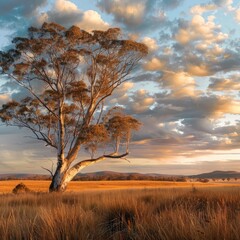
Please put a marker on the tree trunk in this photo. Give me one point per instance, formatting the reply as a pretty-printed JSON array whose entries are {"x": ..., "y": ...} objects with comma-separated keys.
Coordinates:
[
  {"x": 58, "y": 183},
  {"x": 63, "y": 174}
]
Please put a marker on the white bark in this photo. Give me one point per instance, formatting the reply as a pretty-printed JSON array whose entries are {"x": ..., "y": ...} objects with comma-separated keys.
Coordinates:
[
  {"x": 64, "y": 175},
  {"x": 61, "y": 132},
  {"x": 73, "y": 171},
  {"x": 57, "y": 180}
]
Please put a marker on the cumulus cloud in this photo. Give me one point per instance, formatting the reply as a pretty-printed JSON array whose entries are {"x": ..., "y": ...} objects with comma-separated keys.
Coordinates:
[
  {"x": 19, "y": 15},
  {"x": 198, "y": 70},
  {"x": 154, "y": 64},
  {"x": 150, "y": 43},
  {"x": 188, "y": 84},
  {"x": 92, "y": 20},
  {"x": 128, "y": 12},
  {"x": 137, "y": 15},
  {"x": 63, "y": 12},
  {"x": 200, "y": 29},
  {"x": 121, "y": 95},
  {"x": 188, "y": 126},
  {"x": 67, "y": 13},
  {"x": 200, "y": 47},
  {"x": 140, "y": 101},
  {"x": 180, "y": 83},
  {"x": 230, "y": 83}
]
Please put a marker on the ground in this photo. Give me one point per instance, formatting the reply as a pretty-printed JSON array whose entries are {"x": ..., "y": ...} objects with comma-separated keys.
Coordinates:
[
  {"x": 118, "y": 210},
  {"x": 79, "y": 186}
]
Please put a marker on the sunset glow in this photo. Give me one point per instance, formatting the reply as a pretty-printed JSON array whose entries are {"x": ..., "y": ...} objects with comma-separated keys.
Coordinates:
[{"x": 185, "y": 92}]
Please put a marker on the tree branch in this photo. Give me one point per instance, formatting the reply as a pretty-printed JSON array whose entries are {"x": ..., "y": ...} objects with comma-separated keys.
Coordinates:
[
  {"x": 113, "y": 155},
  {"x": 71, "y": 173},
  {"x": 51, "y": 172}
]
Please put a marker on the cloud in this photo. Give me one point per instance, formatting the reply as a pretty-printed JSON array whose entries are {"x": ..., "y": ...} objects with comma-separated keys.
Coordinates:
[
  {"x": 212, "y": 106},
  {"x": 212, "y": 6},
  {"x": 19, "y": 15},
  {"x": 207, "y": 60},
  {"x": 222, "y": 3},
  {"x": 201, "y": 30},
  {"x": 200, "y": 9},
  {"x": 237, "y": 15},
  {"x": 128, "y": 12},
  {"x": 150, "y": 43},
  {"x": 187, "y": 87},
  {"x": 14, "y": 9},
  {"x": 230, "y": 83},
  {"x": 183, "y": 125},
  {"x": 20, "y": 153},
  {"x": 121, "y": 96},
  {"x": 137, "y": 15},
  {"x": 92, "y": 20},
  {"x": 63, "y": 12},
  {"x": 201, "y": 48},
  {"x": 229, "y": 61},
  {"x": 154, "y": 64},
  {"x": 170, "y": 4},
  {"x": 188, "y": 127},
  {"x": 65, "y": 6},
  {"x": 67, "y": 13},
  {"x": 198, "y": 70},
  {"x": 180, "y": 83},
  {"x": 188, "y": 119},
  {"x": 140, "y": 101},
  {"x": 4, "y": 98}
]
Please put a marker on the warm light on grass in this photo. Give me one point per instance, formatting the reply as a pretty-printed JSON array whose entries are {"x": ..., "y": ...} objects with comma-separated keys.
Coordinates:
[
  {"x": 166, "y": 213},
  {"x": 42, "y": 186}
]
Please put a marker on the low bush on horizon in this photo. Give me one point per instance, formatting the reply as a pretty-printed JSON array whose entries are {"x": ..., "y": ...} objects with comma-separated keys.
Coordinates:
[{"x": 149, "y": 214}]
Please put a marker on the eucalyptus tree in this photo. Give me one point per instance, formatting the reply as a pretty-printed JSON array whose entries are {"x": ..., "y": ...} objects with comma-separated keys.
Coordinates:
[{"x": 69, "y": 75}]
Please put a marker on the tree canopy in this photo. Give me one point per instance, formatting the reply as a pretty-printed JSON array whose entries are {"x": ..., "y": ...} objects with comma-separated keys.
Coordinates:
[{"x": 69, "y": 74}]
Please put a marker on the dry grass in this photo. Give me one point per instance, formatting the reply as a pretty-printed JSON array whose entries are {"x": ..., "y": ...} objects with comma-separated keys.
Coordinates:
[
  {"x": 79, "y": 186},
  {"x": 145, "y": 214}
]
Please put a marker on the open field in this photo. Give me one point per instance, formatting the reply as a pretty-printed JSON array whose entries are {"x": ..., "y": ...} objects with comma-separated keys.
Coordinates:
[
  {"x": 180, "y": 213},
  {"x": 150, "y": 211},
  {"x": 79, "y": 186}
]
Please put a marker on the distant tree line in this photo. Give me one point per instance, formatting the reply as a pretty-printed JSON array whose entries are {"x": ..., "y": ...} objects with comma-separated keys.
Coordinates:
[
  {"x": 129, "y": 177},
  {"x": 119, "y": 177}
]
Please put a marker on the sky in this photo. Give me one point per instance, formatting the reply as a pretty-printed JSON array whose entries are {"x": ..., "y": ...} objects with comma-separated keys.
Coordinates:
[{"x": 186, "y": 93}]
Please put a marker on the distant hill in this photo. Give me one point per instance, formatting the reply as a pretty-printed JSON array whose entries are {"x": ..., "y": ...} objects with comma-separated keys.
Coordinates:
[
  {"x": 110, "y": 175},
  {"x": 103, "y": 175},
  {"x": 218, "y": 174},
  {"x": 24, "y": 176}
]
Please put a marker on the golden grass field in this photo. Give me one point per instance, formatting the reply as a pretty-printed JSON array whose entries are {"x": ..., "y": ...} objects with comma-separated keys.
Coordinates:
[
  {"x": 79, "y": 186},
  {"x": 121, "y": 210}
]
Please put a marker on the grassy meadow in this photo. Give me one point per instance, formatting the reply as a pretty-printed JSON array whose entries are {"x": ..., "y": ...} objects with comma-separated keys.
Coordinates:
[{"x": 144, "y": 211}]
